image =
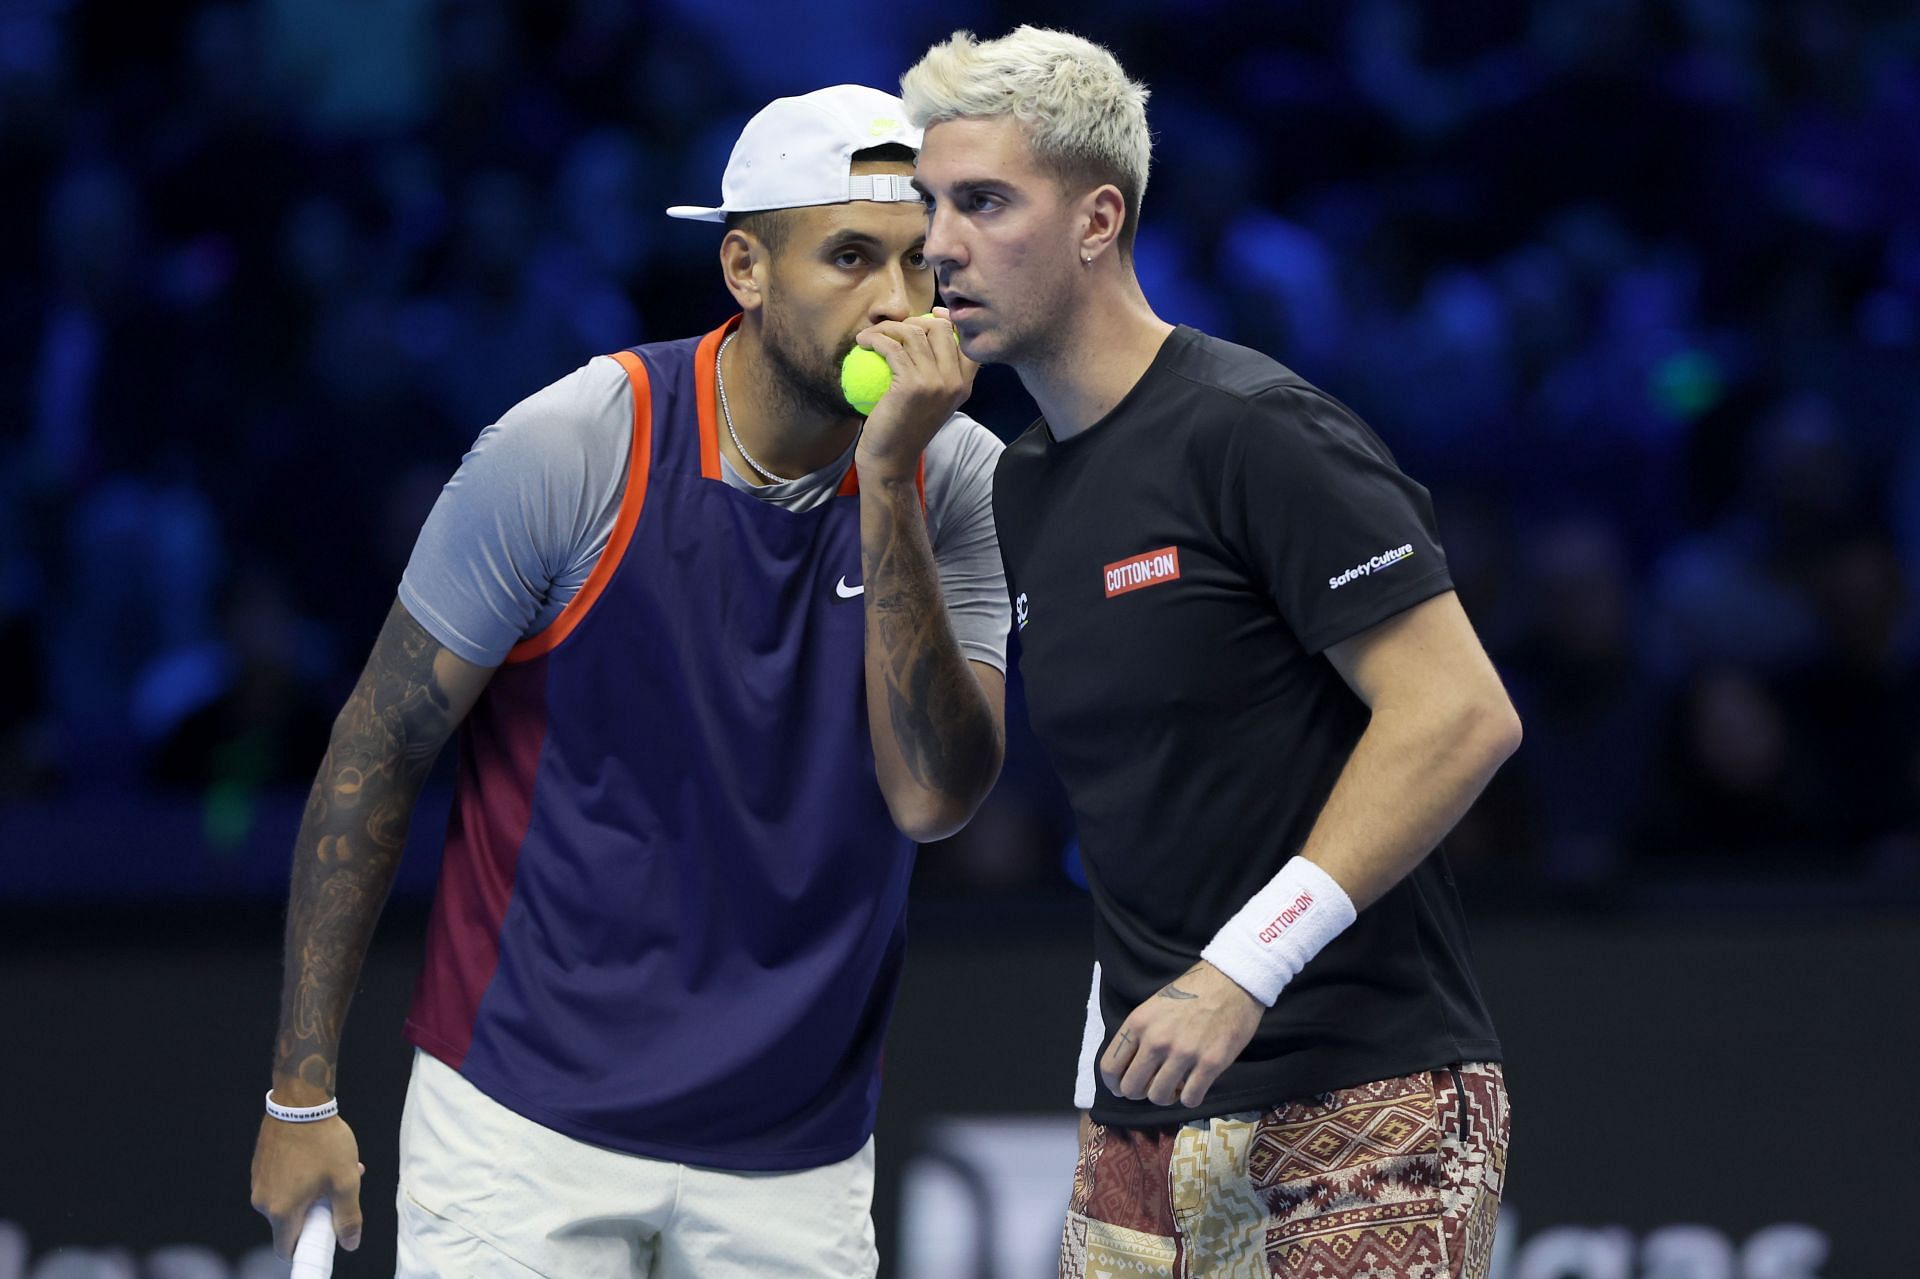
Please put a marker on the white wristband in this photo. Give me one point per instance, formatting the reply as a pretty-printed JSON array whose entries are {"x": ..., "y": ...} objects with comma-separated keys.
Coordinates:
[
  {"x": 302, "y": 1114},
  {"x": 1284, "y": 925}
]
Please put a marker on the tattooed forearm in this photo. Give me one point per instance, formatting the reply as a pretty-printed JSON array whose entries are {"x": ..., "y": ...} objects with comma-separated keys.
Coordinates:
[
  {"x": 939, "y": 719},
  {"x": 1172, "y": 989},
  {"x": 351, "y": 836}
]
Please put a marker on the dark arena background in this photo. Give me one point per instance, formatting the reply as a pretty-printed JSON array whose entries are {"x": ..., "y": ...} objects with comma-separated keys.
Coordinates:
[{"x": 1632, "y": 285}]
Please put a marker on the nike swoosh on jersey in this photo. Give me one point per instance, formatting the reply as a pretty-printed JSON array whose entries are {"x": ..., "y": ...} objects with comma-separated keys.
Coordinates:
[{"x": 846, "y": 592}]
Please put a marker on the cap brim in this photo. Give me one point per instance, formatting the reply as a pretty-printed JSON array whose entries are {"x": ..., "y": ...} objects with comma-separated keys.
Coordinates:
[{"x": 697, "y": 213}]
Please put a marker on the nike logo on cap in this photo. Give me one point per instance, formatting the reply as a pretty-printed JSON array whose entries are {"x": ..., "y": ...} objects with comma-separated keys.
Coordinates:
[{"x": 846, "y": 592}]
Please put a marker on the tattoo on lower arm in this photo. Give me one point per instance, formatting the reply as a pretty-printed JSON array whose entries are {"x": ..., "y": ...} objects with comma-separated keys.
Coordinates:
[
  {"x": 1172, "y": 989},
  {"x": 351, "y": 837},
  {"x": 946, "y": 734}
]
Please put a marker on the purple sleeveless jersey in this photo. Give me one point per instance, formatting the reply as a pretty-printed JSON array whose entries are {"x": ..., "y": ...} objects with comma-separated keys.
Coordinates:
[{"x": 672, "y": 910}]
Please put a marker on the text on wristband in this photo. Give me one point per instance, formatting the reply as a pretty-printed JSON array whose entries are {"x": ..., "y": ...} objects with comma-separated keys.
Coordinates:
[{"x": 1286, "y": 918}]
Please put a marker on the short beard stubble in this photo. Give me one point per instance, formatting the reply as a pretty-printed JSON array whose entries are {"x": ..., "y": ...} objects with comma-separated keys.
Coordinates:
[{"x": 804, "y": 377}]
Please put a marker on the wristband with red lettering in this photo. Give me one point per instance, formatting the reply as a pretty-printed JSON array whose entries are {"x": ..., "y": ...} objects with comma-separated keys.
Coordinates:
[{"x": 1270, "y": 939}]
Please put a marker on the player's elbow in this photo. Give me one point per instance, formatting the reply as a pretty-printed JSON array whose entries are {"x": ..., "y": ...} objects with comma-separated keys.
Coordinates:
[
  {"x": 925, "y": 815},
  {"x": 924, "y": 820},
  {"x": 1491, "y": 726},
  {"x": 1515, "y": 734},
  {"x": 925, "y": 827}
]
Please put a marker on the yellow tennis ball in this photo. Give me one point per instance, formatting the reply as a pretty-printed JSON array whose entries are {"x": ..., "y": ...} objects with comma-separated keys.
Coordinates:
[{"x": 864, "y": 378}]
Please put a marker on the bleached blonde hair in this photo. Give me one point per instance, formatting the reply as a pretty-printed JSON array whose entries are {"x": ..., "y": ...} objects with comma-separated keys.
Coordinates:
[{"x": 1085, "y": 120}]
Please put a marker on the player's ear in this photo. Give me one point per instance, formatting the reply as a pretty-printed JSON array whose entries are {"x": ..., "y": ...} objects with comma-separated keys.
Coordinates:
[
  {"x": 744, "y": 262},
  {"x": 1104, "y": 213}
]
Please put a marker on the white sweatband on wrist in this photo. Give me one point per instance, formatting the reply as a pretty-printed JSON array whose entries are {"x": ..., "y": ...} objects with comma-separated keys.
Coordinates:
[
  {"x": 302, "y": 1114},
  {"x": 1091, "y": 1036},
  {"x": 1285, "y": 924}
]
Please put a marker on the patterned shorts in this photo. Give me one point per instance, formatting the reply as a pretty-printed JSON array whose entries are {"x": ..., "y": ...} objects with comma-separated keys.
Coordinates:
[{"x": 1398, "y": 1179}]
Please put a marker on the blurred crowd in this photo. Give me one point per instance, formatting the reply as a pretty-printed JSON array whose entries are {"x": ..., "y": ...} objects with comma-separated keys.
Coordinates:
[{"x": 1632, "y": 285}]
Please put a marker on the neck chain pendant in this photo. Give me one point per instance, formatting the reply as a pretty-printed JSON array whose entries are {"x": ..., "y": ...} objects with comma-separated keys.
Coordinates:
[{"x": 726, "y": 414}]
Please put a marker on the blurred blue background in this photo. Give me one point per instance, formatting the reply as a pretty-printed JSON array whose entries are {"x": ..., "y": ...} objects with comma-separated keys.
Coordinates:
[{"x": 1634, "y": 287}]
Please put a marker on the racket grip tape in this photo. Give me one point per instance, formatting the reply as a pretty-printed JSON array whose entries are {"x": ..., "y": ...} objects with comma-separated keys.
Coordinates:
[{"x": 313, "y": 1254}]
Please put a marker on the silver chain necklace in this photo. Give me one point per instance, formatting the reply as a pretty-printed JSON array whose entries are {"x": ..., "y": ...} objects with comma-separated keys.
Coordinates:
[{"x": 726, "y": 414}]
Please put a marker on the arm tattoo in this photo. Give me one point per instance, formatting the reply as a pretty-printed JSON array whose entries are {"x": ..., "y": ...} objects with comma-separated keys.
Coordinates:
[
  {"x": 1172, "y": 991},
  {"x": 945, "y": 731},
  {"x": 355, "y": 826}
]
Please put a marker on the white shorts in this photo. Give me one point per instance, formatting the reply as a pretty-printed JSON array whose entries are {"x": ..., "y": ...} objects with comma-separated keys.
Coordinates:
[{"x": 486, "y": 1192}]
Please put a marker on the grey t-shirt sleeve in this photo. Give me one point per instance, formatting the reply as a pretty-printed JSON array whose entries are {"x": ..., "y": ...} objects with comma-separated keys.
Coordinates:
[
  {"x": 960, "y": 461},
  {"x": 517, "y": 530}
]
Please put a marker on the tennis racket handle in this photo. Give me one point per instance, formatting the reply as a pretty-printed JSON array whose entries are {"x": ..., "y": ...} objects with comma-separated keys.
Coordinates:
[{"x": 313, "y": 1255}]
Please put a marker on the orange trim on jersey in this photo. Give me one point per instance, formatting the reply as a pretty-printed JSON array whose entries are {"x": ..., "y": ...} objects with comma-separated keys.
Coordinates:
[
  {"x": 706, "y": 398},
  {"x": 639, "y": 460},
  {"x": 850, "y": 486}
]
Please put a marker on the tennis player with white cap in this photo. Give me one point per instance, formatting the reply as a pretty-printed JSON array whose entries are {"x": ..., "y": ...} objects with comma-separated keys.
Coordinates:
[{"x": 719, "y": 651}]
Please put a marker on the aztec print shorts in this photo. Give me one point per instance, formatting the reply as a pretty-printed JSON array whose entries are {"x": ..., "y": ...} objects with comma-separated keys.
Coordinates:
[{"x": 1398, "y": 1179}]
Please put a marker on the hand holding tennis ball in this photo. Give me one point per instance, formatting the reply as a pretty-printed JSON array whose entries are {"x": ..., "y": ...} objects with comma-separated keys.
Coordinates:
[
  {"x": 908, "y": 377},
  {"x": 865, "y": 374}
]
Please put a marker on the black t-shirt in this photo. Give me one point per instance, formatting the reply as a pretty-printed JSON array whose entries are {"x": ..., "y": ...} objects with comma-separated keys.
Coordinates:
[{"x": 1177, "y": 570}]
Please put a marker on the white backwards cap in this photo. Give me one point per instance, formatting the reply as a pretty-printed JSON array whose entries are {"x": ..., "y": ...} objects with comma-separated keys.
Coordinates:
[{"x": 799, "y": 151}]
